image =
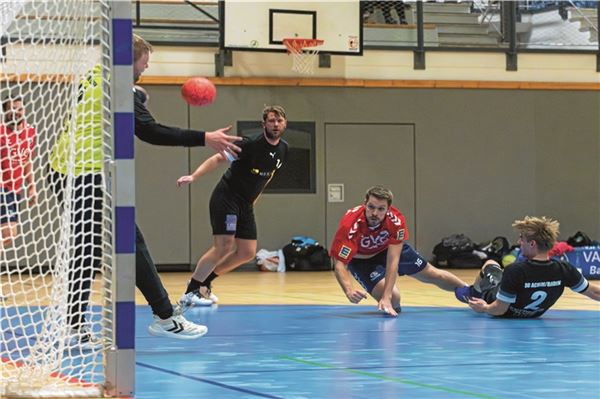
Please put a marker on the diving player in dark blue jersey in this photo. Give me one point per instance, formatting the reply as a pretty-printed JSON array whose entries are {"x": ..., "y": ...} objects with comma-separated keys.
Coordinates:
[
  {"x": 232, "y": 203},
  {"x": 527, "y": 289}
]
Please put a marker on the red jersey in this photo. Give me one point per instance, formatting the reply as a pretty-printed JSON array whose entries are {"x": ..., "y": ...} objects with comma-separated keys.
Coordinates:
[
  {"x": 16, "y": 149},
  {"x": 354, "y": 236}
]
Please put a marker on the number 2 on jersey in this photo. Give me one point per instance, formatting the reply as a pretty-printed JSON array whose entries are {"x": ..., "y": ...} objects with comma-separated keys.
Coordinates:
[{"x": 537, "y": 297}]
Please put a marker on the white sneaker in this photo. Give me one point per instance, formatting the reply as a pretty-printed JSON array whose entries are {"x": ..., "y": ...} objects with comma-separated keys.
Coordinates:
[
  {"x": 83, "y": 339},
  {"x": 177, "y": 327},
  {"x": 206, "y": 292},
  {"x": 194, "y": 298}
]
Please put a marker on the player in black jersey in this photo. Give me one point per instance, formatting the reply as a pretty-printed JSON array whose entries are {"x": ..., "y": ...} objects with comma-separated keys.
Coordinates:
[
  {"x": 232, "y": 203},
  {"x": 527, "y": 289}
]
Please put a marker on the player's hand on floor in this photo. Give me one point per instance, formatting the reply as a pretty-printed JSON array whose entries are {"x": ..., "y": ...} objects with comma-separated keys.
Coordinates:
[
  {"x": 477, "y": 304},
  {"x": 386, "y": 306},
  {"x": 355, "y": 296},
  {"x": 183, "y": 180}
]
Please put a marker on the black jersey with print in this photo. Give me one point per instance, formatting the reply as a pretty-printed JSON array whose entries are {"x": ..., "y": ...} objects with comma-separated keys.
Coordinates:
[
  {"x": 255, "y": 167},
  {"x": 532, "y": 287}
]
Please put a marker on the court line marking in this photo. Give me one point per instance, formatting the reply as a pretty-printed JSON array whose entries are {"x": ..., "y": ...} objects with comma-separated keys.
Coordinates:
[
  {"x": 342, "y": 368},
  {"x": 552, "y": 314},
  {"x": 391, "y": 379},
  {"x": 511, "y": 327},
  {"x": 219, "y": 384}
]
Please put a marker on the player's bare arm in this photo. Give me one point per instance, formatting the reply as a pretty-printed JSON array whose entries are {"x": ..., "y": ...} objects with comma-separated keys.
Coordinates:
[
  {"x": 593, "y": 292},
  {"x": 495, "y": 308},
  {"x": 391, "y": 272},
  {"x": 207, "y": 166},
  {"x": 29, "y": 178},
  {"x": 345, "y": 281}
]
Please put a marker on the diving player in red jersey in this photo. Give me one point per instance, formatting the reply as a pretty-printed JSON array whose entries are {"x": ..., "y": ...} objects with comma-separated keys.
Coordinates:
[
  {"x": 370, "y": 245},
  {"x": 17, "y": 141}
]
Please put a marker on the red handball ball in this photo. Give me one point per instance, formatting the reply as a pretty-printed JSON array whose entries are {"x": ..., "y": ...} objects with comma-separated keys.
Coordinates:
[{"x": 198, "y": 91}]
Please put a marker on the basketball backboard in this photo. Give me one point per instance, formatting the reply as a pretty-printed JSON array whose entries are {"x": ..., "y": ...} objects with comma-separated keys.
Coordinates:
[{"x": 262, "y": 25}]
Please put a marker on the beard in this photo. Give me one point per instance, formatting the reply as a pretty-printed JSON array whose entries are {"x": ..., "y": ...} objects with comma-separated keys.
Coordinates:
[
  {"x": 373, "y": 222},
  {"x": 14, "y": 120},
  {"x": 273, "y": 135}
]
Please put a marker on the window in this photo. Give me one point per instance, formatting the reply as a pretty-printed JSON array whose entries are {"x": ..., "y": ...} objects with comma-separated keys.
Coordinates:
[{"x": 297, "y": 175}]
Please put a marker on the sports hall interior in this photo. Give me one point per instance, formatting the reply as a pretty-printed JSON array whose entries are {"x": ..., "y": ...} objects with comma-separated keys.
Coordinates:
[
  {"x": 465, "y": 145},
  {"x": 469, "y": 136}
]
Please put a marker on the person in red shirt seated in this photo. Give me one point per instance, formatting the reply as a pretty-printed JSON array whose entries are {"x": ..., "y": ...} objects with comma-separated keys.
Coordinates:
[
  {"x": 17, "y": 141},
  {"x": 370, "y": 245}
]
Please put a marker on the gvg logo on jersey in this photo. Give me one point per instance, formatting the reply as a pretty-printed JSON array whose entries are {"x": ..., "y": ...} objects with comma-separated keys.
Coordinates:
[
  {"x": 369, "y": 242},
  {"x": 19, "y": 155}
]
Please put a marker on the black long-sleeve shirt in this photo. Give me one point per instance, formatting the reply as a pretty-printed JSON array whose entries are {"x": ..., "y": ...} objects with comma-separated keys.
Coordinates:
[{"x": 150, "y": 131}]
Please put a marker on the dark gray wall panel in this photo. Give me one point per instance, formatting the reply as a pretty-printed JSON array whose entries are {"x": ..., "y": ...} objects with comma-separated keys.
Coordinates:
[
  {"x": 163, "y": 209},
  {"x": 482, "y": 159},
  {"x": 360, "y": 156},
  {"x": 567, "y": 178}
]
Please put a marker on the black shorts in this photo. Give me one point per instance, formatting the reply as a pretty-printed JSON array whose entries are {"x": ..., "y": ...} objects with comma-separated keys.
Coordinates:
[
  {"x": 9, "y": 206},
  {"x": 368, "y": 272},
  {"x": 230, "y": 214}
]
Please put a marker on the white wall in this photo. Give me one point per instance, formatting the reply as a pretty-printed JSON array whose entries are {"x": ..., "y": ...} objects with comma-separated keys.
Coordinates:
[
  {"x": 393, "y": 65},
  {"x": 188, "y": 61}
]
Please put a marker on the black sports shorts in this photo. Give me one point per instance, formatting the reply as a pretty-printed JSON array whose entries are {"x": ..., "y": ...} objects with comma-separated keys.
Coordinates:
[{"x": 230, "y": 214}]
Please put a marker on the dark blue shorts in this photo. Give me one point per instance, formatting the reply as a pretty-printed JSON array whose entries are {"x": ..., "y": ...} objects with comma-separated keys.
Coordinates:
[
  {"x": 9, "y": 206},
  {"x": 368, "y": 272}
]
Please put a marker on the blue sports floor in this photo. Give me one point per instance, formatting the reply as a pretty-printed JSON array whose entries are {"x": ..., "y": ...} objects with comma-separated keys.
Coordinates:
[
  {"x": 354, "y": 352},
  {"x": 316, "y": 351}
]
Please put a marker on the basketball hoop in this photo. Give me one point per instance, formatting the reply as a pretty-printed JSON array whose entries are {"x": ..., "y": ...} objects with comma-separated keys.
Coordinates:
[{"x": 304, "y": 53}]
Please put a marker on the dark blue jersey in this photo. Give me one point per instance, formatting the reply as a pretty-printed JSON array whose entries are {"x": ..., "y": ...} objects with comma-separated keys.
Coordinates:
[
  {"x": 255, "y": 167},
  {"x": 532, "y": 287}
]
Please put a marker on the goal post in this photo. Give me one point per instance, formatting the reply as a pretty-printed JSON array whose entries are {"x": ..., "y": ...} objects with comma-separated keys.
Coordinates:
[{"x": 67, "y": 224}]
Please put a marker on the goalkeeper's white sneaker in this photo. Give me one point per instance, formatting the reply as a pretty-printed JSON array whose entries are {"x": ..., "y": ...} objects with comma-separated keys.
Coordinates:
[
  {"x": 83, "y": 339},
  {"x": 194, "y": 298},
  {"x": 177, "y": 327}
]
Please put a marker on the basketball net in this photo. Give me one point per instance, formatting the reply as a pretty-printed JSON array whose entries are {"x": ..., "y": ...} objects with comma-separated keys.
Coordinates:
[{"x": 304, "y": 54}]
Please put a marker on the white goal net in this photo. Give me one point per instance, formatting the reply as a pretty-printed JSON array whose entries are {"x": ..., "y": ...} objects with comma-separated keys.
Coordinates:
[{"x": 56, "y": 250}]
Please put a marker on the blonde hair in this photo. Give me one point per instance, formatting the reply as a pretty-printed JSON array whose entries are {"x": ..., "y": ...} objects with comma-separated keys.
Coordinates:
[
  {"x": 276, "y": 109},
  {"x": 140, "y": 47},
  {"x": 541, "y": 229},
  {"x": 380, "y": 193}
]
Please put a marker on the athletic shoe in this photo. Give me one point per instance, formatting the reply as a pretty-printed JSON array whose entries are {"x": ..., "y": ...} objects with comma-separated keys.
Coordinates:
[
  {"x": 83, "y": 339},
  {"x": 490, "y": 277},
  {"x": 206, "y": 292},
  {"x": 176, "y": 326},
  {"x": 465, "y": 293},
  {"x": 194, "y": 298}
]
